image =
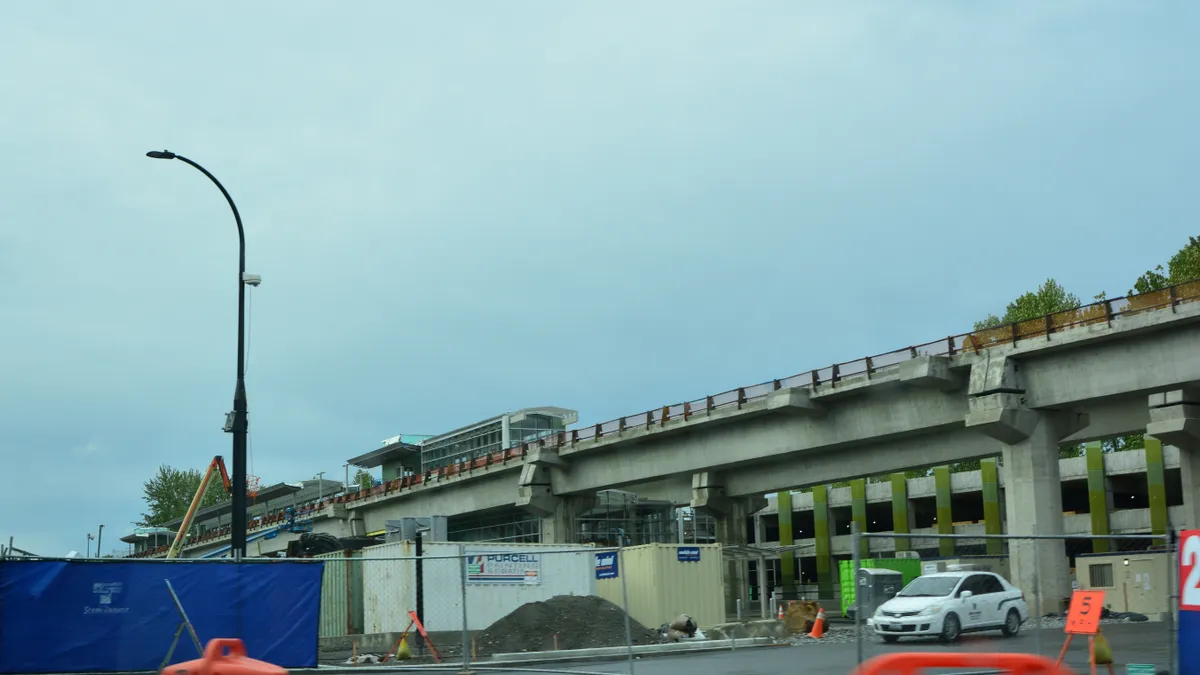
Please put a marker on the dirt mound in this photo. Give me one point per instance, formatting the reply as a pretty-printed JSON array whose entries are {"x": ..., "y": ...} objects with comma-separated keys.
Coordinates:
[{"x": 580, "y": 621}]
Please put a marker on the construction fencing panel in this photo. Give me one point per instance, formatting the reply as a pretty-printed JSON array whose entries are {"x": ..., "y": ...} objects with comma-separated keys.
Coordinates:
[
  {"x": 488, "y": 604},
  {"x": 956, "y": 600},
  {"x": 341, "y": 594},
  {"x": 104, "y": 616}
]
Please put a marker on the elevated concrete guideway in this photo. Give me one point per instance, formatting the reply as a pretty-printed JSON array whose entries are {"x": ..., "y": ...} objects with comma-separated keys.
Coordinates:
[{"x": 1107, "y": 369}]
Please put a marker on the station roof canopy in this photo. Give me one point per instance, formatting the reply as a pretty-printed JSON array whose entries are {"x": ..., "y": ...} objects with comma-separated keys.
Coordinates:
[
  {"x": 142, "y": 533},
  {"x": 398, "y": 448},
  {"x": 226, "y": 507}
]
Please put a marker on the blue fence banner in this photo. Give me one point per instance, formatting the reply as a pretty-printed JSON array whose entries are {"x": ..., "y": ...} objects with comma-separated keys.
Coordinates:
[
  {"x": 607, "y": 566},
  {"x": 1189, "y": 602},
  {"x": 60, "y": 616},
  {"x": 689, "y": 554}
]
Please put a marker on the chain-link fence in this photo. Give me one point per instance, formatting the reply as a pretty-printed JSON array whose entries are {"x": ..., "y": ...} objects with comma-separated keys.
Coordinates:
[
  {"x": 1017, "y": 598},
  {"x": 407, "y": 605},
  {"x": 493, "y": 605},
  {"x": 458, "y": 604}
]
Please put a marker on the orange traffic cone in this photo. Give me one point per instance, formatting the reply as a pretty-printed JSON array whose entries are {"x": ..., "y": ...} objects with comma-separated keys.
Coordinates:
[
  {"x": 779, "y": 614},
  {"x": 818, "y": 630}
]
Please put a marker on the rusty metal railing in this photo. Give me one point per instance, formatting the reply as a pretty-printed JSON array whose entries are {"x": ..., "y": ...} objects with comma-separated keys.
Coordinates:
[{"x": 1102, "y": 312}]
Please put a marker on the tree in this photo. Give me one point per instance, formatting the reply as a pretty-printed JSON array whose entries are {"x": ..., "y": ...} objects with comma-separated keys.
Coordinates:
[
  {"x": 1049, "y": 298},
  {"x": 1183, "y": 266},
  {"x": 169, "y": 493},
  {"x": 363, "y": 479}
]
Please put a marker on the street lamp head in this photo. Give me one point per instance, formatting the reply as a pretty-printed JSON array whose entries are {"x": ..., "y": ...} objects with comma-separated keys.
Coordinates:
[{"x": 160, "y": 154}]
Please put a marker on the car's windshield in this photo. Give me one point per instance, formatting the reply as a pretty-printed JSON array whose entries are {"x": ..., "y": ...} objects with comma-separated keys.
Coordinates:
[{"x": 930, "y": 587}]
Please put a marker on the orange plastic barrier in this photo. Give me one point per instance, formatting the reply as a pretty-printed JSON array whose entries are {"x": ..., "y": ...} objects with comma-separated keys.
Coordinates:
[
  {"x": 224, "y": 656},
  {"x": 909, "y": 663}
]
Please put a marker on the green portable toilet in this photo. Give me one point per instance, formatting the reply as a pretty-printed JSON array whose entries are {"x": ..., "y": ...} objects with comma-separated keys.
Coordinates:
[{"x": 909, "y": 569}]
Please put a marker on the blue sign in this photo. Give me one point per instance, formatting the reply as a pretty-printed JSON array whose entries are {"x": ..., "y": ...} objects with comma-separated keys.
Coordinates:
[
  {"x": 689, "y": 554},
  {"x": 606, "y": 565}
]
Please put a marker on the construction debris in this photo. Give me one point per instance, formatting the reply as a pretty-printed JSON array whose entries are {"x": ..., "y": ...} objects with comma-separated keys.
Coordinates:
[
  {"x": 801, "y": 614},
  {"x": 562, "y": 622}
]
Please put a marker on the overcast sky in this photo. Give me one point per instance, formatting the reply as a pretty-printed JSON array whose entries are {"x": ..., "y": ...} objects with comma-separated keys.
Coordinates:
[{"x": 464, "y": 208}]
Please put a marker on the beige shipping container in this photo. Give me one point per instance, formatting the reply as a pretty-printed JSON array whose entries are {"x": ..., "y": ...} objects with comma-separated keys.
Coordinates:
[
  {"x": 1138, "y": 581},
  {"x": 341, "y": 594},
  {"x": 661, "y": 587}
]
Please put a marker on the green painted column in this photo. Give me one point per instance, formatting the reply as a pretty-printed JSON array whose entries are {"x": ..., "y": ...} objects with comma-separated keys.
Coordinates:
[
  {"x": 945, "y": 519},
  {"x": 992, "y": 522},
  {"x": 787, "y": 559},
  {"x": 900, "y": 511},
  {"x": 1156, "y": 485},
  {"x": 858, "y": 512},
  {"x": 825, "y": 579},
  {"x": 1097, "y": 495}
]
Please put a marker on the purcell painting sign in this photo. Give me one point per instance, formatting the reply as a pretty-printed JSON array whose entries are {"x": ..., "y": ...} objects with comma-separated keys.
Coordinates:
[{"x": 502, "y": 567}]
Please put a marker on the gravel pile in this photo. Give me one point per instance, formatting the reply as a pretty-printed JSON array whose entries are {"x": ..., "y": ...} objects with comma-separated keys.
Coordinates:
[
  {"x": 579, "y": 621},
  {"x": 1061, "y": 622}
]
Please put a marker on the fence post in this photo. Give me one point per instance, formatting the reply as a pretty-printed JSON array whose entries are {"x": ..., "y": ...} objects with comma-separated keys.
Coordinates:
[
  {"x": 1172, "y": 589},
  {"x": 466, "y": 633},
  {"x": 622, "y": 571},
  {"x": 1037, "y": 590}
]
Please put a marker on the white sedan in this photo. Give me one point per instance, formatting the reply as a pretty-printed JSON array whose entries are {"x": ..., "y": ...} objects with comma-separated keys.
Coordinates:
[{"x": 948, "y": 604}]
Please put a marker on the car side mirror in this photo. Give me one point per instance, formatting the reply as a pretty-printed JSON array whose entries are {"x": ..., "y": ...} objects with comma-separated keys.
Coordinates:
[{"x": 965, "y": 594}]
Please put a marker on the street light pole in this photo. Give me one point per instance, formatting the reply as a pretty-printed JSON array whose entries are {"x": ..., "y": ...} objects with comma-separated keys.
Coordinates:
[{"x": 236, "y": 422}]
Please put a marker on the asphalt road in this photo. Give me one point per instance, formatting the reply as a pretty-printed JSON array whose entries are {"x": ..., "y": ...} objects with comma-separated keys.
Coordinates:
[{"x": 1131, "y": 643}]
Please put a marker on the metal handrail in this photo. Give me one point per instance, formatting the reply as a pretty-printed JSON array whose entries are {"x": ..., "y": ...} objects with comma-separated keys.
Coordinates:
[{"x": 1102, "y": 312}]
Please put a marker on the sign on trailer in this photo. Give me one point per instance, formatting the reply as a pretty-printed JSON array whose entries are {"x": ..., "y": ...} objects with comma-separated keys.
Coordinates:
[
  {"x": 689, "y": 554},
  {"x": 606, "y": 565},
  {"x": 503, "y": 567}
]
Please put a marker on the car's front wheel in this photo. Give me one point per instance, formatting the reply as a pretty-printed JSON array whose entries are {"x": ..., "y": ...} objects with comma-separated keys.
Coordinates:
[
  {"x": 1012, "y": 623},
  {"x": 890, "y": 639},
  {"x": 951, "y": 628}
]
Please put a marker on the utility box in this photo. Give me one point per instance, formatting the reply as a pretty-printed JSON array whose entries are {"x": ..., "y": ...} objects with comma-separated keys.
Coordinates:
[
  {"x": 877, "y": 586},
  {"x": 433, "y": 528}
]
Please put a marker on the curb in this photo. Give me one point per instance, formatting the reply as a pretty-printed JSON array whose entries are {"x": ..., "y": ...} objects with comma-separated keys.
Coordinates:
[{"x": 516, "y": 660}]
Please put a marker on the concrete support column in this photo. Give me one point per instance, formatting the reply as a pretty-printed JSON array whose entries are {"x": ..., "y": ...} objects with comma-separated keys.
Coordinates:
[
  {"x": 1035, "y": 507},
  {"x": 760, "y": 529},
  {"x": 821, "y": 529},
  {"x": 731, "y": 514},
  {"x": 1156, "y": 485},
  {"x": 1099, "y": 496},
  {"x": 945, "y": 515},
  {"x": 900, "y": 522},
  {"x": 559, "y": 526},
  {"x": 787, "y": 559},
  {"x": 1175, "y": 420},
  {"x": 1189, "y": 472},
  {"x": 858, "y": 512},
  {"x": 1030, "y": 441},
  {"x": 992, "y": 520}
]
